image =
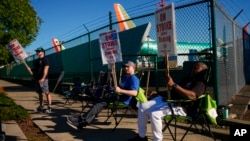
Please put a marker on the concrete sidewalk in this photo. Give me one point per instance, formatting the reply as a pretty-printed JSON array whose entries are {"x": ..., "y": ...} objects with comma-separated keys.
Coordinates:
[{"x": 55, "y": 126}]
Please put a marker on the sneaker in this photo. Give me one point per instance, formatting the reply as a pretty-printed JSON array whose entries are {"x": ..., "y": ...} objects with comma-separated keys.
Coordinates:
[
  {"x": 72, "y": 119},
  {"x": 82, "y": 122},
  {"x": 138, "y": 138},
  {"x": 76, "y": 122},
  {"x": 39, "y": 109},
  {"x": 73, "y": 124},
  {"x": 48, "y": 110}
]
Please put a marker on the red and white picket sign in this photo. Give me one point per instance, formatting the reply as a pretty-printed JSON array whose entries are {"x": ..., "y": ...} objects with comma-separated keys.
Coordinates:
[
  {"x": 17, "y": 50},
  {"x": 110, "y": 47},
  {"x": 165, "y": 30},
  {"x": 18, "y": 53},
  {"x": 166, "y": 34},
  {"x": 110, "y": 50}
]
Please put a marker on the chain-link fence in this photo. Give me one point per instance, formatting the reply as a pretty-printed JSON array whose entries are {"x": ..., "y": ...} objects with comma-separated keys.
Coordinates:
[{"x": 199, "y": 34}]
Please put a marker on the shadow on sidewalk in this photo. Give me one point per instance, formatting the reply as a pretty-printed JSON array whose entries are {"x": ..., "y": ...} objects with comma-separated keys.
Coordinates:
[{"x": 17, "y": 88}]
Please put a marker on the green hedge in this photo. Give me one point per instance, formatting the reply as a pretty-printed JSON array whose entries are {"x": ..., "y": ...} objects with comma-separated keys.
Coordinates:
[{"x": 9, "y": 110}]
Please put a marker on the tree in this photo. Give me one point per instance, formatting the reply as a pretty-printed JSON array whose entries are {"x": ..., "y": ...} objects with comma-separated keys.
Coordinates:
[{"x": 18, "y": 20}]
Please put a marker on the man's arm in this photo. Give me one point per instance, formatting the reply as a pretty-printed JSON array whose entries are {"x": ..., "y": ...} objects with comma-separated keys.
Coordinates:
[
  {"x": 133, "y": 88},
  {"x": 45, "y": 73},
  {"x": 185, "y": 93},
  {"x": 127, "y": 92}
]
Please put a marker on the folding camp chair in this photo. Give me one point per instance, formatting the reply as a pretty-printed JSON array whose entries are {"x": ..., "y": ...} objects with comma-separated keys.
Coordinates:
[
  {"x": 198, "y": 116},
  {"x": 72, "y": 93},
  {"x": 113, "y": 107},
  {"x": 96, "y": 91}
]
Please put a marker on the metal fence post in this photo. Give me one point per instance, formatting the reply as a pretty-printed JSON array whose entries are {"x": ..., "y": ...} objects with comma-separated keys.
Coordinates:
[
  {"x": 90, "y": 53},
  {"x": 215, "y": 61}
]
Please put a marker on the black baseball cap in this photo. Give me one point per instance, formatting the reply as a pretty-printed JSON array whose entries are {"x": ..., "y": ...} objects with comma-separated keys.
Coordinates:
[{"x": 39, "y": 49}]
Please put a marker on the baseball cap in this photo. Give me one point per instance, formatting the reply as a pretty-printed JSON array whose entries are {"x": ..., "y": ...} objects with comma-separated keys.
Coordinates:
[
  {"x": 129, "y": 63},
  {"x": 39, "y": 49}
]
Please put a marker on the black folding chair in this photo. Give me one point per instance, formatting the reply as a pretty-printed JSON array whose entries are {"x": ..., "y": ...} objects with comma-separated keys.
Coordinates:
[
  {"x": 114, "y": 106},
  {"x": 72, "y": 93},
  {"x": 119, "y": 110},
  {"x": 96, "y": 91}
]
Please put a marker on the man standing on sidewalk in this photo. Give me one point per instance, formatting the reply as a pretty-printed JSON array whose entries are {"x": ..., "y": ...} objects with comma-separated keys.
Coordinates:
[{"x": 40, "y": 73}]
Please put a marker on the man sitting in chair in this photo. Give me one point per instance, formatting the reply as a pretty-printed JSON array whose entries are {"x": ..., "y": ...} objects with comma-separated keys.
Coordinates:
[
  {"x": 128, "y": 88},
  {"x": 156, "y": 108}
]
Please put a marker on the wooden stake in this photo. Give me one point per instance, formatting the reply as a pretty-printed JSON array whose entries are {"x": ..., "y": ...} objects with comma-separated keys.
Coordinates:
[
  {"x": 27, "y": 67},
  {"x": 167, "y": 65},
  {"x": 120, "y": 78},
  {"x": 167, "y": 74},
  {"x": 114, "y": 74},
  {"x": 148, "y": 76}
]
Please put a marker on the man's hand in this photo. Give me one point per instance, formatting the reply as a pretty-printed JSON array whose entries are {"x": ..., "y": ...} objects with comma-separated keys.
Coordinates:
[
  {"x": 153, "y": 93},
  {"x": 118, "y": 90},
  {"x": 170, "y": 81},
  {"x": 41, "y": 81}
]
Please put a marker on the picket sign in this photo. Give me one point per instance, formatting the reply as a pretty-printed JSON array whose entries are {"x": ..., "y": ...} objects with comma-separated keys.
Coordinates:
[
  {"x": 166, "y": 33},
  {"x": 18, "y": 53},
  {"x": 166, "y": 30},
  {"x": 110, "y": 50}
]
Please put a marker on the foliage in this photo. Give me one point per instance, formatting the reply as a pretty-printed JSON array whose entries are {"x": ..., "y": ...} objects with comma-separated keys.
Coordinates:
[
  {"x": 11, "y": 111},
  {"x": 18, "y": 20}
]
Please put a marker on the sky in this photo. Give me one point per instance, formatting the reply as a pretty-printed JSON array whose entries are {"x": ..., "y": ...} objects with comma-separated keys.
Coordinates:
[{"x": 62, "y": 16}]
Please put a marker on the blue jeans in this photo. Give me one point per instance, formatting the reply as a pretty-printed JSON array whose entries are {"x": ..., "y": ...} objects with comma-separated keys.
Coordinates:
[{"x": 97, "y": 108}]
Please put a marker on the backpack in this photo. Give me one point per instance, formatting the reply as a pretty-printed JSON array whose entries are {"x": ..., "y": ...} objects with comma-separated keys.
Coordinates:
[{"x": 210, "y": 106}]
